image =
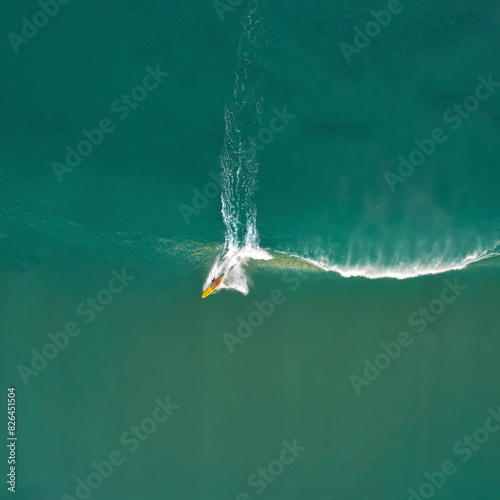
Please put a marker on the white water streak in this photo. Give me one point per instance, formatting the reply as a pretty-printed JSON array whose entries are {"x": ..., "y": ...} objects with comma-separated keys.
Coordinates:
[
  {"x": 403, "y": 271},
  {"x": 239, "y": 162}
]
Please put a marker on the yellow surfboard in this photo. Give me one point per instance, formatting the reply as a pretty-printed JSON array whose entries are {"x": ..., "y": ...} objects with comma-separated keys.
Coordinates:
[{"x": 212, "y": 287}]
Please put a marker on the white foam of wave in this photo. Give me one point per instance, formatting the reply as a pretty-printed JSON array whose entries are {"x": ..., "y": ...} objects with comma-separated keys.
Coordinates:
[
  {"x": 231, "y": 264},
  {"x": 402, "y": 271}
]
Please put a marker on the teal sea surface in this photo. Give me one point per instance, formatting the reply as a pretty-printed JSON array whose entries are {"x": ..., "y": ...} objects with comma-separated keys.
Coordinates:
[{"x": 337, "y": 162}]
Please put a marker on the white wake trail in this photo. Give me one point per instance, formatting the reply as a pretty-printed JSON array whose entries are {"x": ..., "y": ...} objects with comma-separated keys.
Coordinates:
[{"x": 239, "y": 161}]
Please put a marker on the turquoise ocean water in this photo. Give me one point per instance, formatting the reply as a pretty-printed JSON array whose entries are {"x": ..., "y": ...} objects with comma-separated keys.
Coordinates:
[{"x": 346, "y": 194}]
